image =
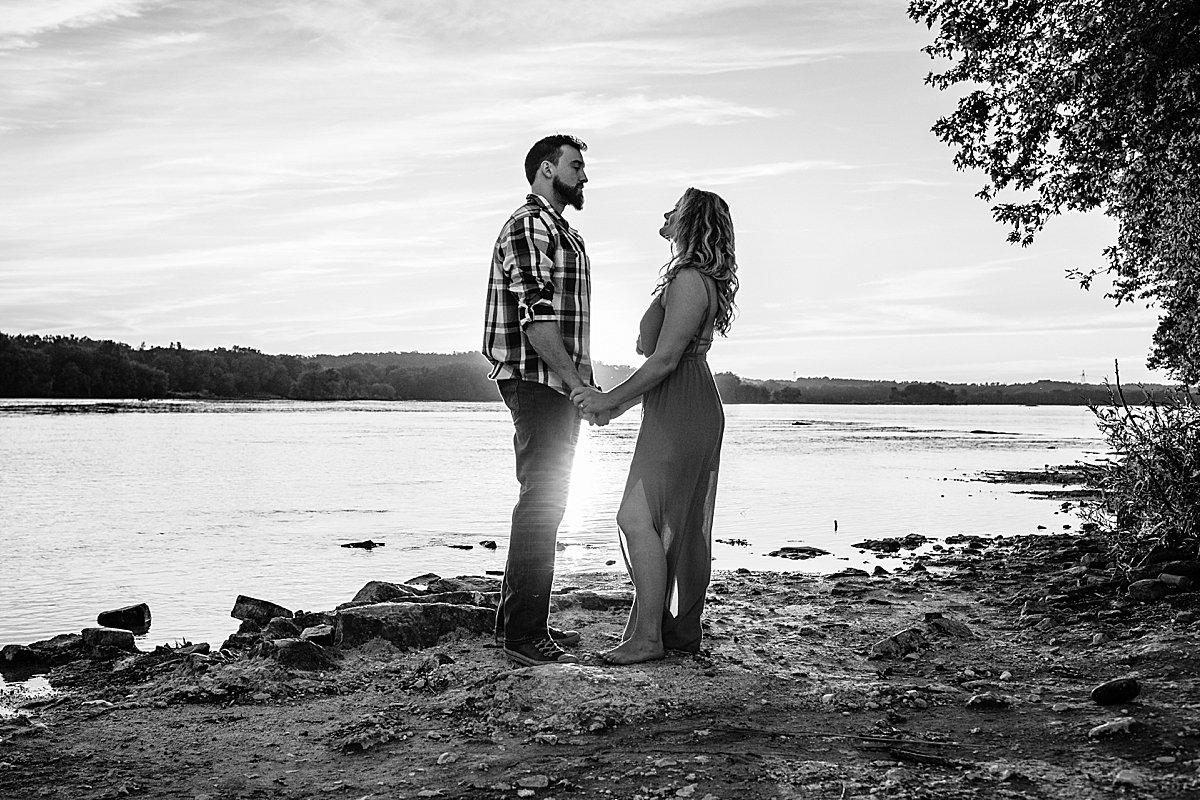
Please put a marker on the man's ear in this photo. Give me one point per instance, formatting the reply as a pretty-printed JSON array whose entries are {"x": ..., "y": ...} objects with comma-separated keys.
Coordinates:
[{"x": 547, "y": 169}]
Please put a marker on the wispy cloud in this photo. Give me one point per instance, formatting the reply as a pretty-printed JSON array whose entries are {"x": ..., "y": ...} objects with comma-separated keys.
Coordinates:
[{"x": 36, "y": 17}]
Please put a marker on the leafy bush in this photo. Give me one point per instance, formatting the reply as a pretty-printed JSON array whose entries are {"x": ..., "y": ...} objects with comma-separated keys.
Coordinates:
[{"x": 1150, "y": 485}]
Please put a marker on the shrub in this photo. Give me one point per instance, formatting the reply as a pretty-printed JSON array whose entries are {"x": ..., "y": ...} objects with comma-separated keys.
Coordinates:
[{"x": 1150, "y": 484}]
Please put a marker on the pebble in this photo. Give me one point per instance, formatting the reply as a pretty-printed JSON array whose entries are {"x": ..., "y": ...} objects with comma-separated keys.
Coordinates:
[
  {"x": 1128, "y": 777},
  {"x": 990, "y": 700},
  {"x": 1147, "y": 590},
  {"x": 1116, "y": 726},
  {"x": 1099, "y": 639},
  {"x": 1118, "y": 690}
]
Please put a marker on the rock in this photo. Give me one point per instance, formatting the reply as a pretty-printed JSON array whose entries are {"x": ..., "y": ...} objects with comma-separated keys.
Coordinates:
[
  {"x": 241, "y": 641},
  {"x": 892, "y": 544},
  {"x": 281, "y": 628},
  {"x": 1099, "y": 639},
  {"x": 950, "y": 627},
  {"x": 409, "y": 625},
  {"x": 491, "y": 600},
  {"x": 989, "y": 700},
  {"x": 318, "y": 634},
  {"x": 1185, "y": 617},
  {"x": 1128, "y": 777},
  {"x": 592, "y": 601},
  {"x": 21, "y": 660},
  {"x": 421, "y": 581},
  {"x": 310, "y": 619},
  {"x": 260, "y": 611},
  {"x": 1186, "y": 569},
  {"x": 1181, "y": 582},
  {"x": 879, "y": 571},
  {"x": 898, "y": 644},
  {"x": 488, "y": 543},
  {"x": 61, "y": 649},
  {"x": 1147, "y": 590},
  {"x": 108, "y": 637},
  {"x": 463, "y": 583},
  {"x": 134, "y": 618},
  {"x": 367, "y": 545},
  {"x": 798, "y": 553},
  {"x": 1119, "y": 690},
  {"x": 383, "y": 592},
  {"x": 303, "y": 654},
  {"x": 1119, "y": 726}
]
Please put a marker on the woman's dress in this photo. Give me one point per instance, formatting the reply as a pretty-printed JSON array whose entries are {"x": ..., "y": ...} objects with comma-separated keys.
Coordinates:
[{"x": 676, "y": 461}]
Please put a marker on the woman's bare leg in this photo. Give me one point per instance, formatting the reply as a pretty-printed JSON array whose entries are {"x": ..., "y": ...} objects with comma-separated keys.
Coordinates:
[{"x": 642, "y": 640}]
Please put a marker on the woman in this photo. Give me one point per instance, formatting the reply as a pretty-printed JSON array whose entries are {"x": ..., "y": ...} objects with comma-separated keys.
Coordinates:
[{"x": 666, "y": 513}]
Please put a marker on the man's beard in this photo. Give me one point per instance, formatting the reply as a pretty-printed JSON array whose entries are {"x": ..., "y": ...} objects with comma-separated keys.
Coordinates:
[{"x": 570, "y": 195}]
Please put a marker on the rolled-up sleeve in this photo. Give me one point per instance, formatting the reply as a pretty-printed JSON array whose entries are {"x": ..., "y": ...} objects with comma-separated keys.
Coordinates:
[{"x": 530, "y": 269}]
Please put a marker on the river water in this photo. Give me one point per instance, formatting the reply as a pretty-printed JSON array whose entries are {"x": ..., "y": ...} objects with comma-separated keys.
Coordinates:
[{"x": 185, "y": 505}]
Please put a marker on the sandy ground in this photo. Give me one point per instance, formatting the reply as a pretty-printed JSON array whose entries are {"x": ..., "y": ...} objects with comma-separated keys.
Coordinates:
[{"x": 991, "y": 700}]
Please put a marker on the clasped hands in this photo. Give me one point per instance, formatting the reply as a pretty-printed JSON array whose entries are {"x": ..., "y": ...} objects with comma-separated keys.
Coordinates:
[{"x": 594, "y": 404}]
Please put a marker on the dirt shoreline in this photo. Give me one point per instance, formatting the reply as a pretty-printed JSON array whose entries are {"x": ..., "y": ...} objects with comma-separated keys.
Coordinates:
[{"x": 784, "y": 701}]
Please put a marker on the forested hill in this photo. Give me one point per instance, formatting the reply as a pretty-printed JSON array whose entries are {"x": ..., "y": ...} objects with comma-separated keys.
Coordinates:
[{"x": 73, "y": 367}]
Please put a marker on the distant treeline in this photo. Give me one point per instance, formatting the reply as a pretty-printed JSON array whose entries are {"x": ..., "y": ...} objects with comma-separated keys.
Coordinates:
[{"x": 73, "y": 367}]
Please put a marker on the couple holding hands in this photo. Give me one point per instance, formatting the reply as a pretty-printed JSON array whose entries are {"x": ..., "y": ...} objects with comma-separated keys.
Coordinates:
[{"x": 536, "y": 336}]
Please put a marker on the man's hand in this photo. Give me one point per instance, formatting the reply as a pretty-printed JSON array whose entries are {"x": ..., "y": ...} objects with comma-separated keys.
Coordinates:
[{"x": 592, "y": 401}]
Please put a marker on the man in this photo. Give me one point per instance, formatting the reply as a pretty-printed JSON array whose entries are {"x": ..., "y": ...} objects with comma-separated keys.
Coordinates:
[{"x": 536, "y": 336}]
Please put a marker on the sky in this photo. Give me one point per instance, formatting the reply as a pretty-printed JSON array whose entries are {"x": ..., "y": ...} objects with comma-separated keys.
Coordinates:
[{"x": 329, "y": 176}]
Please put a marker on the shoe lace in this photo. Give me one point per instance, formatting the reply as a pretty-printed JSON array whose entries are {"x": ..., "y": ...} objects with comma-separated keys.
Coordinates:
[{"x": 548, "y": 648}]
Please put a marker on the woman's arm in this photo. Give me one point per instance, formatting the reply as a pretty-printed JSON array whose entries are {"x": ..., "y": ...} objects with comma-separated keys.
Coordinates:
[{"x": 687, "y": 304}]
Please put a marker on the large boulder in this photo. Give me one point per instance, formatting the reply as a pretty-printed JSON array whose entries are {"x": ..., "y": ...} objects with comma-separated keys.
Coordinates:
[
  {"x": 318, "y": 634},
  {"x": 260, "y": 611},
  {"x": 281, "y": 628},
  {"x": 899, "y": 644},
  {"x": 384, "y": 592},
  {"x": 61, "y": 649},
  {"x": 453, "y": 598},
  {"x": 409, "y": 625},
  {"x": 303, "y": 654},
  {"x": 134, "y": 618},
  {"x": 464, "y": 583},
  {"x": 17, "y": 659},
  {"x": 119, "y": 638}
]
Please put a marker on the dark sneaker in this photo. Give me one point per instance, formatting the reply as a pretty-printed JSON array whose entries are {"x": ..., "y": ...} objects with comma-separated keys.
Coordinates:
[
  {"x": 562, "y": 637},
  {"x": 543, "y": 651}
]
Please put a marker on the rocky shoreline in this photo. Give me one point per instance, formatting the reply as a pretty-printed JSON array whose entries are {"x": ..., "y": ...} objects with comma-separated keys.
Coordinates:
[{"x": 1010, "y": 667}]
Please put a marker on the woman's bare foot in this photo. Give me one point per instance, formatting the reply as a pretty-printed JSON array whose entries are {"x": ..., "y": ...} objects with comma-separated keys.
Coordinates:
[{"x": 634, "y": 651}]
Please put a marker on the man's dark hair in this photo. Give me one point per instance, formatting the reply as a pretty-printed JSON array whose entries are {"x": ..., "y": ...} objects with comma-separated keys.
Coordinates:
[{"x": 549, "y": 149}]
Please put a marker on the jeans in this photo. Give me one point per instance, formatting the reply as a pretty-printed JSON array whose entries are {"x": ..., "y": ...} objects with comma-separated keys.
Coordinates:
[{"x": 547, "y": 427}]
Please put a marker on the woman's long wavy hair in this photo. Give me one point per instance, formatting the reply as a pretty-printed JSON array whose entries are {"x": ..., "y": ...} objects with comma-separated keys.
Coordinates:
[{"x": 703, "y": 241}]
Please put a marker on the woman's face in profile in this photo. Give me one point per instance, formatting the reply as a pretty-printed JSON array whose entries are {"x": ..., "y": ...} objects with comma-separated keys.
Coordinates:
[{"x": 667, "y": 231}]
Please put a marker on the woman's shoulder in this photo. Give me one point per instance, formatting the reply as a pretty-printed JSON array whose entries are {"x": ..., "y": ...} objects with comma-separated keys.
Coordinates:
[
  {"x": 689, "y": 281},
  {"x": 689, "y": 277}
]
